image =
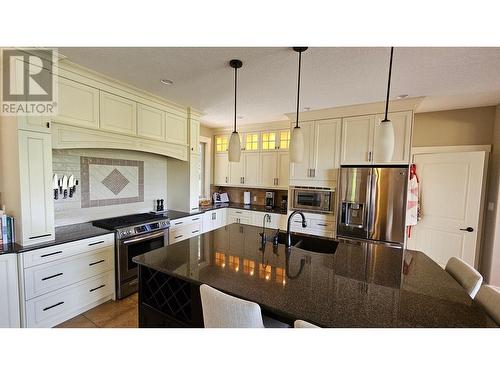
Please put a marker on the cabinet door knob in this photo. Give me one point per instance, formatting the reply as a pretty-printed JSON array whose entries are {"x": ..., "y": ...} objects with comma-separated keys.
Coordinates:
[{"x": 47, "y": 124}]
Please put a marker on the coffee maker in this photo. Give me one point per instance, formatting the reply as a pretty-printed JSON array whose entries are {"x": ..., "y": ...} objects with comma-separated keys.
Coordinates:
[{"x": 270, "y": 199}]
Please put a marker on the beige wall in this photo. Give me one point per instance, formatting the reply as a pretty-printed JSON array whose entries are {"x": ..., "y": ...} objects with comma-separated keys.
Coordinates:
[
  {"x": 470, "y": 126},
  {"x": 206, "y": 131}
]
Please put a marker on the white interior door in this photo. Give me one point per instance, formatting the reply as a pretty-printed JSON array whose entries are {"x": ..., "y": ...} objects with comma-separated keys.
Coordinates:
[{"x": 451, "y": 190}]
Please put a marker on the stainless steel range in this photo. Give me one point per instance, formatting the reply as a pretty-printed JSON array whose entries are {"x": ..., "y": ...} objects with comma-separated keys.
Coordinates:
[{"x": 134, "y": 235}]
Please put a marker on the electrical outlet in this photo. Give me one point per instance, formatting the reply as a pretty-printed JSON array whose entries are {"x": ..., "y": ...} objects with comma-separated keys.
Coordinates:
[{"x": 254, "y": 198}]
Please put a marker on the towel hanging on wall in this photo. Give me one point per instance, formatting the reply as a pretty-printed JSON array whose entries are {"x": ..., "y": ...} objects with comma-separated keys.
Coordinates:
[{"x": 413, "y": 201}]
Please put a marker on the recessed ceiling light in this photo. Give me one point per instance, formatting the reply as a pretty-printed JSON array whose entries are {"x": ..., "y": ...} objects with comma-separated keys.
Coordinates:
[
  {"x": 167, "y": 81},
  {"x": 402, "y": 96}
]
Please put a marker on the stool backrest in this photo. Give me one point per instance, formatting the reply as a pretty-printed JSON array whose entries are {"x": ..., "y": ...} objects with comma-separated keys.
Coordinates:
[{"x": 465, "y": 275}]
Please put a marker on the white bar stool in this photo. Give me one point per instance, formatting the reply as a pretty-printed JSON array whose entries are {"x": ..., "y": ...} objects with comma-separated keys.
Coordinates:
[
  {"x": 465, "y": 275},
  {"x": 303, "y": 324},
  {"x": 489, "y": 299},
  {"x": 221, "y": 310}
]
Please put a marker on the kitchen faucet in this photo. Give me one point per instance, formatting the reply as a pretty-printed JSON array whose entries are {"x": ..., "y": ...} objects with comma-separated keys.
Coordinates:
[
  {"x": 288, "y": 241},
  {"x": 263, "y": 234}
]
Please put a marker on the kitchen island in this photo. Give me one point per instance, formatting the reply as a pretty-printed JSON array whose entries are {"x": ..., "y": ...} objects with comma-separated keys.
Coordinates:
[{"x": 354, "y": 285}]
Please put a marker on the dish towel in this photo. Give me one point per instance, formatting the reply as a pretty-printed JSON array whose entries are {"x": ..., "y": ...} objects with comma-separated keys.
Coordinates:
[{"x": 412, "y": 205}]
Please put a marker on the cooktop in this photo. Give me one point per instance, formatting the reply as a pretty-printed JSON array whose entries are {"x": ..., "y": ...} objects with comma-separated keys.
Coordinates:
[{"x": 114, "y": 223}]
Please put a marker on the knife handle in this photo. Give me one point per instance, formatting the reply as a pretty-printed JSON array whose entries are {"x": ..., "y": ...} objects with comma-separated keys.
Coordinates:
[{"x": 56, "y": 194}]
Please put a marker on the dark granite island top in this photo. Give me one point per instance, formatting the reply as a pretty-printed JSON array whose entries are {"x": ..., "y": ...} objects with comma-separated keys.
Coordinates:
[{"x": 357, "y": 286}]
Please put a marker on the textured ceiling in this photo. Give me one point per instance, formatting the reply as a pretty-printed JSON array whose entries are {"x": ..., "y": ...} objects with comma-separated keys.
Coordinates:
[{"x": 448, "y": 77}]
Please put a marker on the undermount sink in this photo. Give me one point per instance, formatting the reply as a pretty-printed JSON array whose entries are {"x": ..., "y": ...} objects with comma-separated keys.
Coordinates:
[{"x": 310, "y": 243}]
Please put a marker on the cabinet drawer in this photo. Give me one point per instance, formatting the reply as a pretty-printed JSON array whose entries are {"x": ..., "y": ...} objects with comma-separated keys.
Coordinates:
[
  {"x": 185, "y": 232},
  {"x": 56, "y": 307},
  {"x": 185, "y": 221},
  {"x": 48, "y": 277},
  {"x": 322, "y": 225},
  {"x": 49, "y": 254}
]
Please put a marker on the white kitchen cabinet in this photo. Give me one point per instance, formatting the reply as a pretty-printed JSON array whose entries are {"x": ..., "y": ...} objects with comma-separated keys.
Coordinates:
[
  {"x": 35, "y": 175},
  {"x": 235, "y": 215},
  {"x": 151, "y": 122},
  {"x": 274, "y": 169},
  {"x": 251, "y": 168},
  {"x": 117, "y": 114},
  {"x": 194, "y": 136},
  {"x": 78, "y": 104},
  {"x": 34, "y": 123},
  {"x": 236, "y": 171},
  {"x": 9, "y": 292},
  {"x": 184, "y": 228},
  {"x": 221, "y": 169},
  {"x": 402, "y": 123},
  {"x": 317, "y": 224},
  {"x": 321, "y": 153},
  {"x": 258, "y": 218},
  {"x": 177, "y": 129},
  {"x": 360, "y": 132},
  {"x": 214, "y": 219},
  {"x": 357, "y": 139},
  {"x": 59, "y": 282}
]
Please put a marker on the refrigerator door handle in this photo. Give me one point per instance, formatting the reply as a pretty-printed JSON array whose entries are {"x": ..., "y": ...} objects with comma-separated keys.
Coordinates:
[{"x": 370, "y": 203}]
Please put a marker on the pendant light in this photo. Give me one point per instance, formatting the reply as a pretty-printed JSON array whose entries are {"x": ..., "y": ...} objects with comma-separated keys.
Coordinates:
[
  {"x": 384, "y": 149},
  {"x": 297, "y": 136},
  {"x": 234, "y": 152}
]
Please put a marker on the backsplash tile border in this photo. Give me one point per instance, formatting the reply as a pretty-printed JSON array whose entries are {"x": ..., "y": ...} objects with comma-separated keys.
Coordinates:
[{"x": 85, "y": 162}]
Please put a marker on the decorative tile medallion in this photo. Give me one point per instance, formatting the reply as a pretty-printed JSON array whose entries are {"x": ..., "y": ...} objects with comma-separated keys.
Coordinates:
[{"x": 111, "y": 181}]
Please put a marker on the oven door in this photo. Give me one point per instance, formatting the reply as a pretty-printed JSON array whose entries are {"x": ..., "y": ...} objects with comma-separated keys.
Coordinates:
[{"x": 128, "y": 248}]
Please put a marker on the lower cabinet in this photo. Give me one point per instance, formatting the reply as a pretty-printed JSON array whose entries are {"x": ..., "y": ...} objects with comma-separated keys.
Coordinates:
[
  {"x": 317, "y": 224},
  {"x": 273, "y": 221},
  {"x": 239, "y": 216},
  {"x": 62, "y": 281},
  {"x": 214, "y": 219},
  {"x": 9, "y": 292},
  {"x": 184, "y": 228}
]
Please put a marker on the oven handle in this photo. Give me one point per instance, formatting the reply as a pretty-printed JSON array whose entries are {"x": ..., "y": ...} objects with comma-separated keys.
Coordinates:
[{"x": 144, "y": 237}]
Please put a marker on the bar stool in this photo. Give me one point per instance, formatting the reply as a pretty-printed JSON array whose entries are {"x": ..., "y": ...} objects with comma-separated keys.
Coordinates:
[
  {"x": 465, "y": 275},
  {"x": 489, "y": 299},
  {"x": 221, "y": 310},
  {"x": 303, "y": 324}
]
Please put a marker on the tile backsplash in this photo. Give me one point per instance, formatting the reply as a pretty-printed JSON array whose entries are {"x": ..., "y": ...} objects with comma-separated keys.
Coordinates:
[{"x": 111, "y": 183}]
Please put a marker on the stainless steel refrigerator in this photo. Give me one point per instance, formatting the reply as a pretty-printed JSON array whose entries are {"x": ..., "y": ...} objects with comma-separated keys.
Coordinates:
[{"x": 373, "y": 204}]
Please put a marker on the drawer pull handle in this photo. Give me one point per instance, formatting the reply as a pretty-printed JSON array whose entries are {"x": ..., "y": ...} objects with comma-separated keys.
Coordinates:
[
  {"x": 94, "y": 263},
  {"x": 96, "y": 243},
  {"x": 99, "y": 287},
  {"x": 195, "y": 231},
  {"x": 179, "y": 236},
  {"x": 180, "y": 222},
  {"x": 51, "y": 277},
  {"x": 50, "y": 254},
  {"x": 322, "y": 225},
  {"x": 51, "y": 307},
  {"x": 197, "y": 218},
  {"x": 43, "y": 235}
]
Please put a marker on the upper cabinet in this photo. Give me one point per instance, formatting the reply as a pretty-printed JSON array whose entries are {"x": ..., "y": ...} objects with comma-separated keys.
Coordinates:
[
  {"x": 177, "y": 131},
  {"x": 221, "y": 143},
  {"x": 360, "y": 132},
  {"x": 118, "y": 114},
  {"x": 150, "y": 122},
  {"x": 321, "y": 153},
  {"x": 78, "y": 104}
]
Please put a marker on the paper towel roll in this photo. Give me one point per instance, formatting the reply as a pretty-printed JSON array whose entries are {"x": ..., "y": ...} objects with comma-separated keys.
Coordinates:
[{"x": 246, "y": 197}]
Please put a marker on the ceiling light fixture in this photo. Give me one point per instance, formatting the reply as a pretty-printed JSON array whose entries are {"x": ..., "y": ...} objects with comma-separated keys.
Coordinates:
[
  {"x": 234, "y": 151},
  {"x": 297, "y": 136},
  {"x": 167, "y": 81},
  {"x": 385, "y": 132}
]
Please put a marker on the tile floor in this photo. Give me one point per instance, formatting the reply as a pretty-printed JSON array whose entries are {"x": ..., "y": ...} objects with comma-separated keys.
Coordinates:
[{"x": 112, "y": 314}]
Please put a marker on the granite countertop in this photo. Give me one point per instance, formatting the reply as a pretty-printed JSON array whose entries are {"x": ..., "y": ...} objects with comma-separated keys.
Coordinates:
[
  {"x": 360, "y": 285},
  {"x": 241, "y": 206},
  {"x": 64, "y": 234}
]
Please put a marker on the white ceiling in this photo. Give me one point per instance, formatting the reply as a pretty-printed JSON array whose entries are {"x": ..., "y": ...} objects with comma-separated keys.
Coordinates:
[{"x": 448, "y": 77}]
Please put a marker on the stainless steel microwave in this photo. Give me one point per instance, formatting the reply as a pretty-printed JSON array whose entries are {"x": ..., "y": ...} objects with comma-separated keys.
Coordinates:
[{"x": 312, "y": 199}]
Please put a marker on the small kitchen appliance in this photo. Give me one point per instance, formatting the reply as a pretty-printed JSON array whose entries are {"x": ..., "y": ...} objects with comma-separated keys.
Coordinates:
[{"x": 270, "y": 199}]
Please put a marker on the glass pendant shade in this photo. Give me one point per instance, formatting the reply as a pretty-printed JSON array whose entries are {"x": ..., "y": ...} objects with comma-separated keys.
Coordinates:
[
  {"x": 234, "y": 151},
  {"x": 384, "y": 142},
  {"x": 297, "y": 145}
]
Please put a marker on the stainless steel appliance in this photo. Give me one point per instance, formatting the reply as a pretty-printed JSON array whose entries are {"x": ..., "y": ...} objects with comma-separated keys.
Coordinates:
[
  {"x": 313, "y": 199},
  {"x": 373, "y": 203},
  {"x": 134, "y": 235},
  {"x": 270, "y": 199}
]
